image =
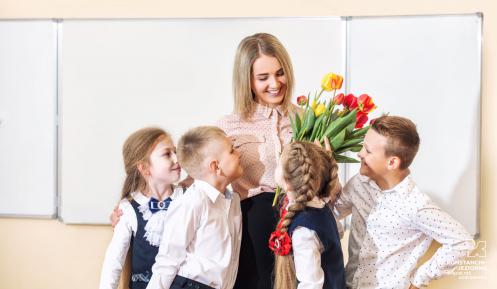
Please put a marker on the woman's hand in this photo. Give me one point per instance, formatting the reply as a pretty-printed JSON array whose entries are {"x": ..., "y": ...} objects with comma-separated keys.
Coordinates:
[{"x": 115, "y": 216}]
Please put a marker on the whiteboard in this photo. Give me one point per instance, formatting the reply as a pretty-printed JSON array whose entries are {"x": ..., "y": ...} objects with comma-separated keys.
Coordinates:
[
  {"x": 28, "y": 110},
  {"x": 119, "y": 75},
  {"x": 427, "y": 68}
]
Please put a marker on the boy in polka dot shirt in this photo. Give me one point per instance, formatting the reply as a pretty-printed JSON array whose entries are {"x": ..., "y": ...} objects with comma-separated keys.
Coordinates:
[{"x": 393, "y": 222}]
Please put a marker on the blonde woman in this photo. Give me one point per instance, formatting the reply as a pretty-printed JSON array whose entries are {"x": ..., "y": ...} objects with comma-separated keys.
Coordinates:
[{"x": 260, "y": 128}]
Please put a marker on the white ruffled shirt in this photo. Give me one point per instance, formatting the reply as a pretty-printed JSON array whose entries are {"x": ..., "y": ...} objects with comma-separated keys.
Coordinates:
[{"x": 115, "y": 255}]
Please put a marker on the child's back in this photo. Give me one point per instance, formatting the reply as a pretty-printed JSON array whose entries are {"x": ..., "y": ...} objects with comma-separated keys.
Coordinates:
[{"x": 323, "y": 224}]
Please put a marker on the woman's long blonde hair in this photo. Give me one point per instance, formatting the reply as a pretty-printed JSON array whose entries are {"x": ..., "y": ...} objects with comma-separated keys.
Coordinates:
[
  {"x": 310, "y": 171},
  {"x": 249, "y": 49},
  {"x": 137, "y": 149}
]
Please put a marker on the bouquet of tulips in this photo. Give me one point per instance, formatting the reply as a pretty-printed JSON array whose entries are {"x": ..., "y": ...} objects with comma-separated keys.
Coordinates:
[{"x": 340, "y": 119}]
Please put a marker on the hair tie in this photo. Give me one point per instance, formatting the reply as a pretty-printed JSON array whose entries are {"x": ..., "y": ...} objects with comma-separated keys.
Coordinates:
[{"x": 280, "y": 242}]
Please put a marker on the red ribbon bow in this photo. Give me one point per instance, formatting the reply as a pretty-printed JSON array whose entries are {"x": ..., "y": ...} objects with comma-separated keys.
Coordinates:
[{"x": 280, "y": 242}]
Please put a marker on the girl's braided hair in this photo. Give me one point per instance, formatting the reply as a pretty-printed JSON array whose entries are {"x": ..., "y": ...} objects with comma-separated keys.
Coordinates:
[{"x": 310, "y": 171}]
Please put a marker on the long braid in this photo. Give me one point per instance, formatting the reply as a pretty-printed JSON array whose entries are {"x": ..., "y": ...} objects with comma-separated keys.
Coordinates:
[{"x": 299, "y": 169}]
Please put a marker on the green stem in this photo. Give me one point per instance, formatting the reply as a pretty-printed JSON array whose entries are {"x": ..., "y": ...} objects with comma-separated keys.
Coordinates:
[
  {"x": 319, "y": 95},
  {"x": 277, "y": 193}
]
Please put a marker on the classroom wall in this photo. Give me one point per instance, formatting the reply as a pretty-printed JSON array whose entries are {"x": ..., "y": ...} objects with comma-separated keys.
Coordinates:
[{"x": 49, "y": 254}]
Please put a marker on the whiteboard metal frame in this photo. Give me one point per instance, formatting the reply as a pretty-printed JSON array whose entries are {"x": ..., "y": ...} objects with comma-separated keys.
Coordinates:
[
  {"x": 55, "y": 213},
  {"x": 479, "y": 93}
]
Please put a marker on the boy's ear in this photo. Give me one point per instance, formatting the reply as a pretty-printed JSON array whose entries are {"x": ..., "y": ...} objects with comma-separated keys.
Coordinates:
[
  {"x": 214, "y": 167},
  {"x": 393, "y": 163}
]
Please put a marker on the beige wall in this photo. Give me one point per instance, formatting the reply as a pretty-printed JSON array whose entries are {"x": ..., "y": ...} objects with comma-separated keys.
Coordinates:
[{"x": 48, "y": 254}]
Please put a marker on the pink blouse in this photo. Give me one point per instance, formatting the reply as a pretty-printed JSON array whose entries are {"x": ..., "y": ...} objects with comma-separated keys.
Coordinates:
[{"x": 260, "y": 141}]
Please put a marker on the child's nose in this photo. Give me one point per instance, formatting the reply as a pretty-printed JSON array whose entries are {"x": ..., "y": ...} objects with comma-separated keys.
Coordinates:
[
  {"x": 174, "y": 157},
  {"x": 360, "y": 154}
]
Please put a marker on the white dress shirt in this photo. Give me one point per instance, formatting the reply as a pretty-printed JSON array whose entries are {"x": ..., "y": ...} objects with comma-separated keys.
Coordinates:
[
  {"x": 307, "y": 249},
  {"x": 391, "y": 230},
  {"x": 207, "y": 230},
  {"x": 119, "y": 245}
]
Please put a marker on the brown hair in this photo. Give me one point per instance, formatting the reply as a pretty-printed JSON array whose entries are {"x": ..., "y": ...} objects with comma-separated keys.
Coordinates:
[
  {"x": 137, "y": 149},
  {"x": 310, "y": 171},
  {"x": 249, "y": 49},
  {"x": 191, "y": 147},
  {"x": 402, "y": 137}
]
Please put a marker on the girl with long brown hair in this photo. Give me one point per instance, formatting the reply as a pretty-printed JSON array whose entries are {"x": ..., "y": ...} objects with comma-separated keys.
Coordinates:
[{"x": 151, "y": 169}]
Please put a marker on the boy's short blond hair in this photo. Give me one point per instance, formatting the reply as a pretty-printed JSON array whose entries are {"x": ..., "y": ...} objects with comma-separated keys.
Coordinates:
[
  {"x": 191, "y": 147},
  {"x": 402, "y": 137}
]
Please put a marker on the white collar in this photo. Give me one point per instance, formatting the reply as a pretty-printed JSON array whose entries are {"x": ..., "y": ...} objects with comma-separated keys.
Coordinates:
[
  {"x": 211, "y": 192},
  {"x": 141, "y": 199},
  {"x": 405, "y": 186}
]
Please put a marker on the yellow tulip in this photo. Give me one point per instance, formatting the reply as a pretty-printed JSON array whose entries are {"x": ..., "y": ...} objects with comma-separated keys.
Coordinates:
[
  {"x": 320, "y": 109},
  {"x": 331, "y": 82},
  {"x": 314, "y": 104}
]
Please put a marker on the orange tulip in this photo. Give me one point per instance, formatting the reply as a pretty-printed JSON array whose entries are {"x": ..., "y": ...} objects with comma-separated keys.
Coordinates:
[
  {"x": 331, "y": 82},
  {"x": 365, "y": 103}
]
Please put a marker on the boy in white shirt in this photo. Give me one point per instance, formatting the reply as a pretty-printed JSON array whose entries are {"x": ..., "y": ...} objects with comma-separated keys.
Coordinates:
[
  {"x": 393, "y": 222},
  {"x": 203, "y": 225}
]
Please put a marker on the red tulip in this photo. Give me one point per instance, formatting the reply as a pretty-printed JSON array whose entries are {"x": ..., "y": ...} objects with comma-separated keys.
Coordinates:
[
  {"x": 361, "y": 119},
  {"x": 350, "y": 101},
  {"x": 302, "y": 100},
  {"x": 339, "y": 99},
  {"x": 365, "y": 103}
]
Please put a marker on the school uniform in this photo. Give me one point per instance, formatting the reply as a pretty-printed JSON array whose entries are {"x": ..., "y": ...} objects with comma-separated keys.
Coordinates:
[
  {"x": 317, "y": 251},
  {"x": 140, "y": 229},
  {"x": 260, "y": 140},
  {"x": 392, "y": 229},
  {"x": 206, "y": 225}
]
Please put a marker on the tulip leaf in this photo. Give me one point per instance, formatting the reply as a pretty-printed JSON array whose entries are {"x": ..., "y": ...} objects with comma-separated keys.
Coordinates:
[
  {"x": 355, "y": 149},
  {"x": 352, "y": 142},
  {"x": 340, "y": 123},
  {"x": 298, "y": 123},
  {"x": 337, "y": 140},
  {"x": 360, "y": 132},
  {"x": 344, "y": 159},
  {"x": 317, "y": 127},
  {"x": 351, "y": 126},
  {"x": 309, "y": 123}
]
